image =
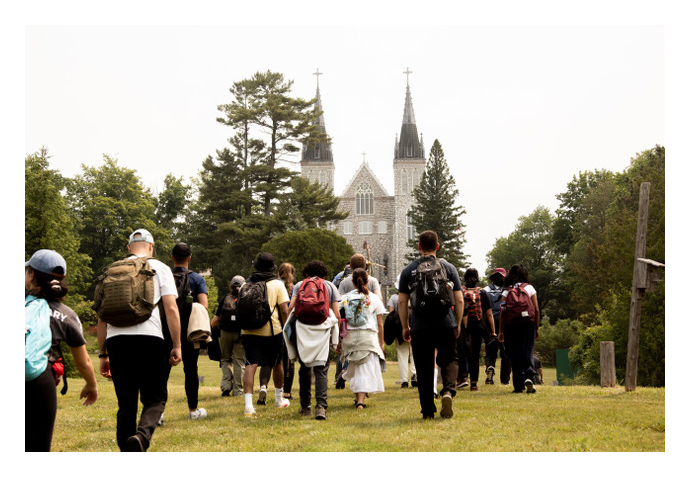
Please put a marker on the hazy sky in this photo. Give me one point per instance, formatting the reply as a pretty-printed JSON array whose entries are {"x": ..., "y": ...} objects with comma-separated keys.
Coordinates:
[{"x": 518, "y": 110}]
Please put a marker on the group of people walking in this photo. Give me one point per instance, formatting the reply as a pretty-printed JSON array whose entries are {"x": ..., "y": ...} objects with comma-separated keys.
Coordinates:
[{"x": 268, "y": 322}]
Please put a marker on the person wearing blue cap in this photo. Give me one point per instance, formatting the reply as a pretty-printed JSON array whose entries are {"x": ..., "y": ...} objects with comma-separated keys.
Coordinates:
[
  {"x": 45, "y": 281},
  {"x": 136, "y": 356}
]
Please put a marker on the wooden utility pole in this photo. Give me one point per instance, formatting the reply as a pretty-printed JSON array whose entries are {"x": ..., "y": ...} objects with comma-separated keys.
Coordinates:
[{"x": 644, "y": 277}]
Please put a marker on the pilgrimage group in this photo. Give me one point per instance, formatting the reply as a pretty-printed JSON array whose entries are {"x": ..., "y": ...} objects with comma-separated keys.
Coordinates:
[{"x": 152, "y": 317}]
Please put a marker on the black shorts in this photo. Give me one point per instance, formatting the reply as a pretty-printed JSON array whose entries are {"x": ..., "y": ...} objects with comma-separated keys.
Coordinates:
[{"x": 263, "y": 350}]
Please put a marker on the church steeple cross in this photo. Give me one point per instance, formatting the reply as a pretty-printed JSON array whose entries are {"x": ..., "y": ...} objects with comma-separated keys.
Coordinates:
[
  {"x": 318, "y": 73},
  {"x": 364, "y": 156},
  {"x": 408, "y": 73}
]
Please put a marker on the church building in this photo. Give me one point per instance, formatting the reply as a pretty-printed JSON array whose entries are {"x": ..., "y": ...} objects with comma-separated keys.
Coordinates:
[{"x": 377, "y": 226}]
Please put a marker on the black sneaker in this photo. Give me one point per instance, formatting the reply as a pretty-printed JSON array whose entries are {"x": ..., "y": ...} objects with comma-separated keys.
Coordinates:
[
  {"x": 135, "y": 443},
  {"x": 225, "y": 393},
  {"x": 463, "y": 384},
  {"x": 413, "y": 381},
  {"x": 340, "y": 382},
  {"x": 404, "y": 385},
  {"x": 490, "y": 371}
]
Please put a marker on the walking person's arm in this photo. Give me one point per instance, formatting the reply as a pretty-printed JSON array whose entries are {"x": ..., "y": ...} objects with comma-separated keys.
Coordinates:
[
  {"x": 172, "y": 316},
  {"x": 404, "y": 313},
  {"x": 101, "y": 334},
  {"x": 459, "y": 311},
  {"x": 81, "y": 359}
]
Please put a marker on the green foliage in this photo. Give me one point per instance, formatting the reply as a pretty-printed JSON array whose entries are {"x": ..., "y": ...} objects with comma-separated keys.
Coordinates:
[
  {"x": 563, "y": 335},
  {"x": 612, "y": 318},
  {"x": 264, "y": 102},
  {"x": 308, "y": 205},
  {"x": 213, "y": 294},
  {"x": 434, "y": 209},
  {"x": 110, "y": 202},
  {"x": 530, "y": 244},
  {"x": 300, "y": 247},
  {"x": 48, "y": 222},
  {"x": 171, "y": 205}
]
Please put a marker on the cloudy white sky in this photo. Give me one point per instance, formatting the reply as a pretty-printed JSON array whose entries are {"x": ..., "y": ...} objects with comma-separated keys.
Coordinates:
[{"x": 518, "y": 110}]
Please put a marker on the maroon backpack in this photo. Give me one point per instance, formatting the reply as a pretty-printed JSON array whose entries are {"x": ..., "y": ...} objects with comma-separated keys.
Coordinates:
[
  {"x": 312, "y": 304},
  {"x": 518, "y": 305},
  {"x": 473, "y": 303}
]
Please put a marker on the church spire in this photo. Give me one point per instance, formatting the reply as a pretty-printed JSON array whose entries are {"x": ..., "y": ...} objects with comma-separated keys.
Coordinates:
[
  {"x": 320, "y": 152},
  {"x": 409, "y": 146}
]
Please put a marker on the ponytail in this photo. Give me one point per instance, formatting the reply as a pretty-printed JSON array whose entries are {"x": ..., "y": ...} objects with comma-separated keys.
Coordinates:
[{"x": 360, "y": 278}]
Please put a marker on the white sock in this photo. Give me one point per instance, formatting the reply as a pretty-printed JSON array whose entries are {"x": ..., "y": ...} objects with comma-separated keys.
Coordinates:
[
  {"x": 436, "y": 379},
  {"x": 248, "y": 401},
  {"x": 279, "y": 395}
]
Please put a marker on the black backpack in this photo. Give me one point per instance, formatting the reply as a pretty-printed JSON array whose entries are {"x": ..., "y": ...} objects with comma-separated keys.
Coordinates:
[
  {"x": 252, "y": 309},
  {"x": 184, "y": 294},
  {"x": 430, "y": 290},
  {"x": 392, "y": 328}
]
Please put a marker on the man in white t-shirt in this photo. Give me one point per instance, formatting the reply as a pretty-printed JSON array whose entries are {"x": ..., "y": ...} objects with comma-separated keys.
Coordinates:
[{"x": 136, "y": 358}]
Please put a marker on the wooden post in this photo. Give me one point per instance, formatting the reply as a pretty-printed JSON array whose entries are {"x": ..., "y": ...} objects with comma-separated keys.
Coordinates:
[
  {"x": 607, "y": 362},
  {"x": 638, "y": 289}
]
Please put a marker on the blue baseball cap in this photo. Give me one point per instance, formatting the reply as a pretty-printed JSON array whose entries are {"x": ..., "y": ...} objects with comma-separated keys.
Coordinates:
[
  {"x": 143, "y": 236},
  {"x": 48, "y": 261}
]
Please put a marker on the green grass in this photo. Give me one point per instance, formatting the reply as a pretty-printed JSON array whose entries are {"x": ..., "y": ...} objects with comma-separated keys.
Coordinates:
[{"x": 556, "y": 418}]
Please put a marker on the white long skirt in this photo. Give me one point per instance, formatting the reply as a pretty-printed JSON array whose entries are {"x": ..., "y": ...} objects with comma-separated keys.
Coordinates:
[{"x": 365, "y": 377}]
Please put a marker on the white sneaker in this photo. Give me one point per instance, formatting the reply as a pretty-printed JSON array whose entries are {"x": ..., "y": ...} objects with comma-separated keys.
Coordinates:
[
  {"x": 285, "y": 403},
  {"x": 198, "y": 414},
  {"x": 249, "y": 412}
]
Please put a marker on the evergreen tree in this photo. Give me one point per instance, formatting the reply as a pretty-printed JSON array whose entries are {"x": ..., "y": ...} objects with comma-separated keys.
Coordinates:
[
  {"x": 308, "y": 205},
  {"x": 264, "y": 102},
  {"x": 434, "y": 209}
]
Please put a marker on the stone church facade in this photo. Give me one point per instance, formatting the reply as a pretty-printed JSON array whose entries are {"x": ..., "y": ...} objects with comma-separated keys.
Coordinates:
[{"x": 377, "y": 225}]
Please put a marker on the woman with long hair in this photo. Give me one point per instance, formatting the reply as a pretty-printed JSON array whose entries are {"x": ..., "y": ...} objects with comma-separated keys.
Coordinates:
[
  {"x": 45, "y": 279},
  {"x": 286, "y": 273},
  {"x": 363, "y": 345},
  {"x": 519, "y": 326}
]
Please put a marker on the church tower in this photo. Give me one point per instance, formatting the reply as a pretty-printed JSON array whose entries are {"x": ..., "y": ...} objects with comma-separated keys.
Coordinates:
[
  {"x": 408, "y": 167},
  {"x": 317, "y": 160}
]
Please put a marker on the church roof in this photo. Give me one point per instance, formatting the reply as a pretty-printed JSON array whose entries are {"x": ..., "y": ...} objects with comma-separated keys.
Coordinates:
[{"x": 364, "y": 173}]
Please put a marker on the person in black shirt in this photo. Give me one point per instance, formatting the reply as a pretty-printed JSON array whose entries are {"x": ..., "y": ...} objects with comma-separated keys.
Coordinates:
[{"x": 429, "y": 331}]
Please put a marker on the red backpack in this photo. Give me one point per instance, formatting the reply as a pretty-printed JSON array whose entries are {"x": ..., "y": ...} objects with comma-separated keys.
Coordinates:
[
  {"x": 518, "y": 306},
  {"x": 312, "y": 304},
  {"x": 473, "y": 303}
]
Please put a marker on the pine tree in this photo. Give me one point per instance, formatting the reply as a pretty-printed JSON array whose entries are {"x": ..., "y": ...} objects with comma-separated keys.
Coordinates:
[{"x": 435, "y": 209}]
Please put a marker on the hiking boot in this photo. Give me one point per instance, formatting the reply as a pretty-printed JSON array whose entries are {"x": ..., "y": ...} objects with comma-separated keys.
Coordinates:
[
  {"x": 198, "y": 414},
  {"x": 249, "y": 412},
  {"x": 320, "y": 414},
  {"x": 262, "y": 397},
  {"x": 404, "y": 385},
  {"x": 529, "y": 385},
  {"x": 446, "y": 406},
  {"x": 135, "y": 443},
  {"x": 305, "y": 411},
  {"x": 490, "y": 371},
  {"x": 413, "y": 381}
]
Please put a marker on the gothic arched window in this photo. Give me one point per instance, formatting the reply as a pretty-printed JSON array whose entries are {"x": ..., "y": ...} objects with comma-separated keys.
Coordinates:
[
  {"x": 404, "y": 183},
  {"x": 364, "y": 200},
  {"x": 415, "y": 178}
]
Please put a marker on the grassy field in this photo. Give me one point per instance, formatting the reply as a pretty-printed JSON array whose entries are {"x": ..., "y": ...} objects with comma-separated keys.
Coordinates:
[{"x": 556, "y": 418}]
